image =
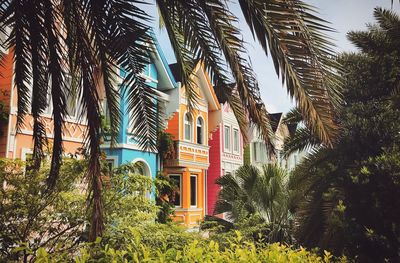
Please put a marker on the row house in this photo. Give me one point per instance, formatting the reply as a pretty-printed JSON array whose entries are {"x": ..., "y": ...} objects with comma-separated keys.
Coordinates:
[
  {"x": 158, "y": 76},
  {"x": 255, "y": 153},
  {"x": 207, "y": 139},
  {"x": 18, "y": 143},
  {"x": 226, "y": 151},
  {"x": 191, "y": 132}
]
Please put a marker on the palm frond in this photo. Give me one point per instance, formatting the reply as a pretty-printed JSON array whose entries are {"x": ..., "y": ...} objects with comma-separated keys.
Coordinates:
[
  {"x": 389, "y": 21},
  {"x": 228, "y": 37},
  {"x": 293, "y": 116},
  {"x": 184, "y": 56},
  {"x": 40, "y": 79},
  {"x": 301, "y": 140},
  {"x": 57, "y": 87},
  {"x": 302, "y": 55}
]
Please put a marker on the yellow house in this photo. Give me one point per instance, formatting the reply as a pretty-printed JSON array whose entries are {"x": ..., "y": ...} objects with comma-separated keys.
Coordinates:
[{"x": 190, "y": 131}]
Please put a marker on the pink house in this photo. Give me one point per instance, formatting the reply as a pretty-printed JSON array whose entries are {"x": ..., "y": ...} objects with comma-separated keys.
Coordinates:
[{"x": 226, "y": 151}]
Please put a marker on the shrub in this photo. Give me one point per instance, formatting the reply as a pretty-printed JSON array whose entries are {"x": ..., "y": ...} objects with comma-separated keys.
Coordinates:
[
  {"x": 135, "y": 250},
  {"x": 32, "y": 217}
]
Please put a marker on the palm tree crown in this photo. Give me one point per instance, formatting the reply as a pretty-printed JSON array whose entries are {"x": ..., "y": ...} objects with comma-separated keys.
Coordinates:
[{"x": 91, "y": 39}]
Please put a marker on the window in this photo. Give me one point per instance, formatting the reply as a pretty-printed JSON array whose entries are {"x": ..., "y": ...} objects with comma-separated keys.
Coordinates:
[
  {"x": 139, "y": 168},
  {"x": 199, "y": 130},
  {"x": 178, "y": 193},
  {"x": 71, "y": 98},
  {"x": 193, "y": 190},
  {"x": 188, "y": 127},
  {"x": 227, "y": 138},
  {"x": 110, "y": 164},
  {"x": 259, "y": 151},
  {"x": 236, "y": 140}
]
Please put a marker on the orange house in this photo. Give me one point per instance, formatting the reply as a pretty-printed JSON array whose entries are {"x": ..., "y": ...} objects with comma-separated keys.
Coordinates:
[
  {"x": 190, "y": 131},
  {"x": 18, "y": 144}
]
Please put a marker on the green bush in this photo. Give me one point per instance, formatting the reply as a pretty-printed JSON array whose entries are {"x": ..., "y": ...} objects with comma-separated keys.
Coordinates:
[
  {"x": 32, "y": 217},
  {"x": 198, "y": 250}
]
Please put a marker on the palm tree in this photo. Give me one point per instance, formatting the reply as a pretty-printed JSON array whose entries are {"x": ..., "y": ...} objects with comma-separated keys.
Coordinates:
[
  {"x": 253, "y": 192},
  {"x": 91, "y": 39},
  {"x": 336, "y": 186}
]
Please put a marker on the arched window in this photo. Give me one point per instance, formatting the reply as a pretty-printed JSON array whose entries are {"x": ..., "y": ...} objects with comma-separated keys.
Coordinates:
[
  {"x": 141, "y": 168},
  {"x": 199, "y": 130},
  {"x": 188, "y": 127}
]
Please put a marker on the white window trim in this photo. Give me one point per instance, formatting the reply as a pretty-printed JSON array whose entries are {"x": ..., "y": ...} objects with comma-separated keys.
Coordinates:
[
  {"x": 114, "y": 159},
  {"x": 229, "y": 150},
  {"x": 196, "y": 205},
  {"x": 180, "y": 189},
  {"x": 238, "y": 141},
  {"x": 184, "y": 128},
  {"x": 24, "y": 152}
]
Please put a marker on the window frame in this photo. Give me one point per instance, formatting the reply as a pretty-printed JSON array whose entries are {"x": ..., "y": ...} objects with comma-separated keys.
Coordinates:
[
  {"x": 180, "y": 188},
  {"x": 229, "y": 149},
  {"x": 190, "y": 186},
  {"x": 236, "y": 142},
  {"x": 202, "y": 141},
  {"x": 190, "y": 123}
]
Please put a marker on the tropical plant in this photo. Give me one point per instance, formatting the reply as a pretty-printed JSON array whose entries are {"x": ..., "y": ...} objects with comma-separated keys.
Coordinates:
[
  {"x": 251, "y": 192},
  {"x": 346, "y": 193},
  {"x": 166, "y": 190},
  {"x": 33, "y": 217},
  {"x": 90, "y": 40},
  {"x": 192, "y": 250}
]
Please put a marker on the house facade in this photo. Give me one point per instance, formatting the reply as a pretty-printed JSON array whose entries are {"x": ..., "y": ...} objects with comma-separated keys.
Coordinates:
[
  {"x": 256, "y": 153},
  {"x": 190, "y": 132},
  {"x": 127, "y": 150},
  {"x": 226, "y": 152},
  {"x": 18, "y": 144}
]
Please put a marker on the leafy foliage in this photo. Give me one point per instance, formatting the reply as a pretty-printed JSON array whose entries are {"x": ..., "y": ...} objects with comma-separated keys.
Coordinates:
[
  {"x": 58, "y": 221},
  {"x": 33, "y": 217},
  {"x": 166, "y": 189},
  {"x": 262, "y": 195},
  {"x": 195, "y": 251},
  {"x": 347, "y": 202}
]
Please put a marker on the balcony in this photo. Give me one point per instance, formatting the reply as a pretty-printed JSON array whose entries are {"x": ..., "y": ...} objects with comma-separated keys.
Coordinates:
[{"x": 189, "y": 154}]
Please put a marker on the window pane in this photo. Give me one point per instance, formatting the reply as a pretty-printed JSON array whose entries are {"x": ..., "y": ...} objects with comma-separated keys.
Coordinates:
[
  {"x": 236, "y": 140},
  {"x": 193, "y": 190},
  {"x": 177, "y": 197},
  {"x": 188, "y": 127},
  {"x": 199, "y": 131},
  {"x": 227, "y": 136}
]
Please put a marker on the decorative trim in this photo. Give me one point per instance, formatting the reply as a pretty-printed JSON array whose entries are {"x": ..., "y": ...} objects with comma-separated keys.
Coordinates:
[
  {"x": 192, "y": 209},
  {"x": 124, "y": 146},
  {"x": 146, "y": 163},
  {"x": 195, "y": 170},
  {"x": 51, "y": 136}
]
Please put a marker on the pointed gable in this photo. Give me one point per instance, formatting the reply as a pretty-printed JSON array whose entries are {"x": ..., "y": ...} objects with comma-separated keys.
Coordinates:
[{"x": 204, "y": 83}]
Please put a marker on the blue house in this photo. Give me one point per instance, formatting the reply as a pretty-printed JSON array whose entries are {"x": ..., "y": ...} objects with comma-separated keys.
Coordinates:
[{"x": 126, "y": 150}]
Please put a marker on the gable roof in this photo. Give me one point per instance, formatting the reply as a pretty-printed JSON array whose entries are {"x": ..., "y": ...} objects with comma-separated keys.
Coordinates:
[
  {"x": 176, "y": 71},
  {"x": 275, "y": 120},
  {"x": 166, "y": 78},
  {"x": 209, "y": 92}
]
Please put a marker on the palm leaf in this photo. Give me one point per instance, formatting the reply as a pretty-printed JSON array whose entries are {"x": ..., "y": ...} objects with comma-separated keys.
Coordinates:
[{"x": 303, "y": 57}]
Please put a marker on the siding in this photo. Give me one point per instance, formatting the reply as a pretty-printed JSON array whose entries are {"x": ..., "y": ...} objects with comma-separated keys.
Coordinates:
[
  {"x": 214, "y": 171},
  {"x": 173, "y": 126}
]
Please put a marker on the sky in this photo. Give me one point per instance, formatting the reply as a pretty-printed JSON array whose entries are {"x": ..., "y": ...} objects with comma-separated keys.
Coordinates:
[{"x": 344, "y": 16}]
